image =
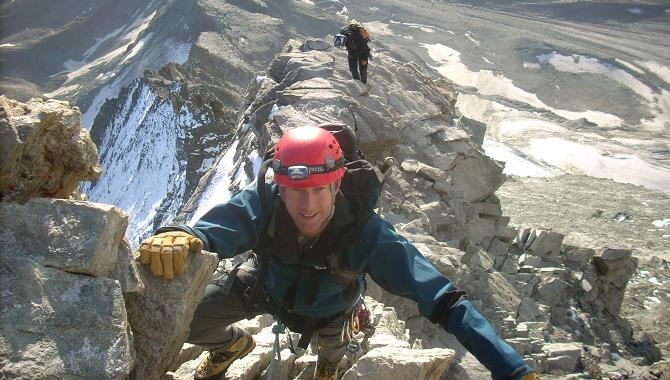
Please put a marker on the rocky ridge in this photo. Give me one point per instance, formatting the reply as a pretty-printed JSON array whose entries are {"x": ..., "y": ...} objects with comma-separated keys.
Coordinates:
[{"x": 559, "y": 307}]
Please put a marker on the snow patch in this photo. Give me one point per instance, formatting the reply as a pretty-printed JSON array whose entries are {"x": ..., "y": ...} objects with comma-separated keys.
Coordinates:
[
  {"x": 661, "y": 223},
  {"x": 468, "y": 35},
  {"x": 658, "y": 69},
  {"x": 144, "y": 177},
  {"x": 580, "y": 64},
  {"x": 379, "y": 28},
  {"x": 654, "y": 299},
  {"x": 62, "y": 90},
  {"x": 531, "y": 65},
  {"x": 109, "y": 91},
  {"x": 275, "y": 109},
  {"x": 343, "y": 12},
  {"x": 590, "y": 160},
  {"x": 422, "y": 27},
  {"x": 129, "y": 37},
  {"x": 515, "y": 163},
  {"x": 217, "y": 189},
  {"x": 655, "y": 281}
]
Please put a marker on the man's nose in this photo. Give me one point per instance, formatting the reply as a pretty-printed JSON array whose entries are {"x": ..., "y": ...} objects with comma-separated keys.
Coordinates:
[{"x": 307, "y": 199}]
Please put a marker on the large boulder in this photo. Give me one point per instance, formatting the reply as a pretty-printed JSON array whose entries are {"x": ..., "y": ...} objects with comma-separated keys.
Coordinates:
[
  {"x": 613, "y": 267},
  {"x": 161, "y": 315},
  {"x": 74, "y": 236},
  {"x": 55, "y": 324},
  {"x": 56, "y": 319},
  {"x": 401, "y": 363},
  {"x": 45, "y": 152}
]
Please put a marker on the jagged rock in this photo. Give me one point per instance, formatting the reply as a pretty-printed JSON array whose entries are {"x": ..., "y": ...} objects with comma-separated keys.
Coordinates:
[
  {"x": 526, "y": 345},
  {"x": 528, "y": 309},
  {"x": 44, "y": 150},
  {"x": 438, "y": 214},
  {"x": 161, "y": 315},
  {"x": 530, "y": 260},
  {"x": 581, "y": 256},
  {"x": 56, "y": 324},
  {"x": 401, "y": 363},
  {"x": 562, "y": 356},
  {"x": 315, "y": 44},
  {"x": 126, "y": 271},
  {"x": 75, "y": 236},
  {"x": 467, "y": 367},
  {"x": 546, "y": 244},
  {"x": 614, "y": 268},
  {"x": 490, "y": 286},
  {"x": 551, "y": 291},
  {"x": 187, "y": 353},
  {"x": 488, "y": 208},
  {"x": 476, "y": 177},
  {"x": 389, "y": 330}
]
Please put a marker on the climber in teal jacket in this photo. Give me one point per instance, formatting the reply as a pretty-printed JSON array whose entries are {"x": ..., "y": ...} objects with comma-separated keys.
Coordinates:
[{"x": 313, "y": 247}]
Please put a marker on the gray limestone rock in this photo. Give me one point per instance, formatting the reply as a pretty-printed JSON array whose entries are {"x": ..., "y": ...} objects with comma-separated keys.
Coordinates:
[
  {"x": 75, "y": 236},
  {"x": 161, "y": 315},
  {"x": 476, "y": 177},
  {"x": 547, "y": 244},
  {"x": 126, "y": 271},
  {"x": 401, "y": 363},
  {"x": 614, "y": 267},
  {"x": 55, "y": 324},
  {"x": 45, "y": 151},
  {"x": 551, "y": 290}
]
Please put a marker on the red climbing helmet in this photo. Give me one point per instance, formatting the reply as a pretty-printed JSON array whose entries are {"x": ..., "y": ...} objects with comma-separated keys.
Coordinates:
[{"x": 307, "y": 157}]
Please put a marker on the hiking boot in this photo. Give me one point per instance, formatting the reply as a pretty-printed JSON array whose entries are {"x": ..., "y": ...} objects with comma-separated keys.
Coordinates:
[
  {"x": 325, "y": 370},
  {"x": 217, "y": 361}
]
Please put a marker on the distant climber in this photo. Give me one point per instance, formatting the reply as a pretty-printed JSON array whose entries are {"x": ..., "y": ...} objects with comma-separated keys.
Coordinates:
[{"x": 355, "y": 38}]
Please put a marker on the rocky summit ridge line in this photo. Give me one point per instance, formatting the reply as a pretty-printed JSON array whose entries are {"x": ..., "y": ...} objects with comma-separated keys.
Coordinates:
[{"x": 558, "y": 305}]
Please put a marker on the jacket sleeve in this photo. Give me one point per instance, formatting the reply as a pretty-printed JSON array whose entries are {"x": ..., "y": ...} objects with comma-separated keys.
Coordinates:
[
  {"x": 229, "y": 228},
  {"x": 396, "y": 265}
]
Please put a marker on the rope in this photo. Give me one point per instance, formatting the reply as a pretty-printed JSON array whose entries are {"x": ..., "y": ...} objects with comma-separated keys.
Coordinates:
[{"x": 277, "y": 329}]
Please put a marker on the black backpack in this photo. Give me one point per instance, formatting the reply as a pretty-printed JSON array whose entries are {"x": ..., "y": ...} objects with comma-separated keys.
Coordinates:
[{"x": 357, "y": 38}]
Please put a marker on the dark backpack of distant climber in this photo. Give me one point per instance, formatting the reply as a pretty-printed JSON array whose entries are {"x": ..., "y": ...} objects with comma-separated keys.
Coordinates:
[{"x": 355, "y": 37}]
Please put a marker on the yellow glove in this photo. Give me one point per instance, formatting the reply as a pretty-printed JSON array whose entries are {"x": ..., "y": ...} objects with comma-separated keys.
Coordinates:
[
  {"x": 165, "y": 253},
  {"x": 531, "y": 376}
]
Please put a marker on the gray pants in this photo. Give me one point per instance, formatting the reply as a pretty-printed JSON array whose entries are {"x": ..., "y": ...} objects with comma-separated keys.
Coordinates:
[{"x": 225, "y": 303}]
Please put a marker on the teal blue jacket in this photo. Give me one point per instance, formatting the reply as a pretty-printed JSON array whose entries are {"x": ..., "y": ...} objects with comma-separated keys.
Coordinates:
[{"x": 392, "y": 261}]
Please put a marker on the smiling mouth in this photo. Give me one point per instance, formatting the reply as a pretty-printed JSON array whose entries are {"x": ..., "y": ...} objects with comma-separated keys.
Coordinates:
[{"x": 308, "y": 216}]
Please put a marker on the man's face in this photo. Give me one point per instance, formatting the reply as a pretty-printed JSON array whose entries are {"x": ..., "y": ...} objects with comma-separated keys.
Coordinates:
[{"x": 310, "y": 208}]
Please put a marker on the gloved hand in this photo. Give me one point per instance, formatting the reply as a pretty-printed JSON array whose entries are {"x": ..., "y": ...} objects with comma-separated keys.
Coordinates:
[
  {"x": 165, "y": 253},
  {"x": 369, "y": 55},
  {"x": 531, "y": 376}
]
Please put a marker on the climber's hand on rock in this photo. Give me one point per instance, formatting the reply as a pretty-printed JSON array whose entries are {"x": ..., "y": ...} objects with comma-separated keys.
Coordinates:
[
  {"x": 530, "y": 376},
  {"x": 166, "y": 252}
]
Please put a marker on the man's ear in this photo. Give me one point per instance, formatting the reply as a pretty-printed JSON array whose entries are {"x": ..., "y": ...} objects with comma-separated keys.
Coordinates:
[{"x": 336, "y": 186}]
